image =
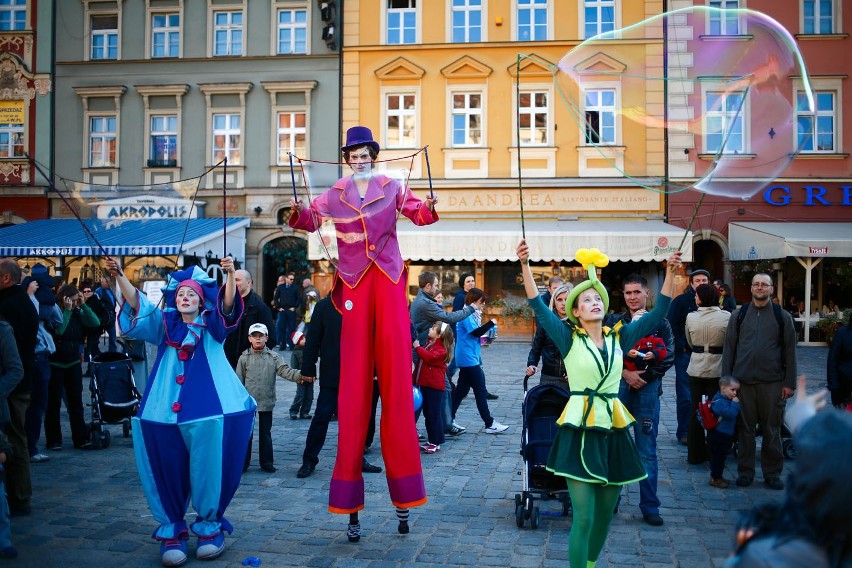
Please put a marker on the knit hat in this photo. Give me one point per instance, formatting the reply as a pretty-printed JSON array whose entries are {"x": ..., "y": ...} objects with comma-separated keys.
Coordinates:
[
  {"x": 590, "y": 259},
  {"x": 195, "y": 286},
  {"x": 297, "y": 335}
]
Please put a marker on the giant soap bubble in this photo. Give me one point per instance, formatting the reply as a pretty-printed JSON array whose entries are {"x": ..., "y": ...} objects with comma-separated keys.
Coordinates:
[{"x": 730, "y": 94}]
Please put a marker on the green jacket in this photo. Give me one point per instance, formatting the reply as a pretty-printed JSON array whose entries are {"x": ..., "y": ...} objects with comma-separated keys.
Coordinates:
[{"x": 257, "y": 371}]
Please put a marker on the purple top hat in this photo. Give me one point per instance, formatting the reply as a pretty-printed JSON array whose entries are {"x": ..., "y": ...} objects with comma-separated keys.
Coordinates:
[{"x": 360, "y": 136}]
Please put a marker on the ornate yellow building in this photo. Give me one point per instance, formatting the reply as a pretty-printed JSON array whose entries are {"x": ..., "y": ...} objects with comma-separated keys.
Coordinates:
[{"x": 443, "y": 74}]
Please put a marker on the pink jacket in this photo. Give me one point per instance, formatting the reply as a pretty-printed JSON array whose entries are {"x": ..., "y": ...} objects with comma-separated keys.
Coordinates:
[{"x": 366, "y": 233}]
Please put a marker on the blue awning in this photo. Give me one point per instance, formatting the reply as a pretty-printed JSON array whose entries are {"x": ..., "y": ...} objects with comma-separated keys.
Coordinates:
[{"x": 160, "y": 237}]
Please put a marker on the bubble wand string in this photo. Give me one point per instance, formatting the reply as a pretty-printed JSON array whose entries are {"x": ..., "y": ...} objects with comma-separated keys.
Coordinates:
[
  {"x": 429, "y": 171},
  {"x": 293, "y": 176},
  {"x": 518, "y": 143}
]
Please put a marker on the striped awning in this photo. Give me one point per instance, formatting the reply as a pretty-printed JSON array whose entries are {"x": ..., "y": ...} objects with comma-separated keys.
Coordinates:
[{"x": 162, "y": 237}]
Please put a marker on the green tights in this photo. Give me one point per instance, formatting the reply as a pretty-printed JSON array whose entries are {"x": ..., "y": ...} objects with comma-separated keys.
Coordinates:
[{"x": 593, "y": 506}]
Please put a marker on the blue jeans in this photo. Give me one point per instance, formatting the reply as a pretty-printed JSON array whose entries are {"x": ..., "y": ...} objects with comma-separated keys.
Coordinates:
[
  {"x": 472, "y": 378},
  {"x": 446, "y": 406},
  {"x": 683, "y": 397},
  {"x": 285, "y": 325},
  {"x": 38, "y": 401},
  {"x": 644, "y": 405},
  {"x": 5, "y": 525}
]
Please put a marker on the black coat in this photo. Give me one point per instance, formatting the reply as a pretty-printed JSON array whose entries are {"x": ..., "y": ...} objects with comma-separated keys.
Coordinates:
[
  {"x": 255, "y": 311},
  {"x": 545, "y": 349},
  {"x": 17, "y": 309},
  {"x": 681, "y": 307},
  {"x": 323, "y": 342},
  {"x": 839, "y": 371}
]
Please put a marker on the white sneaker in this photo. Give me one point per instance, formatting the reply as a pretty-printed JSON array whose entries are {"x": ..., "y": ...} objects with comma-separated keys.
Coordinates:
[
  {"x": 457, "y": 427},
  {"x": 40, "y": 458},
  {"x": 496, "y": 428}
]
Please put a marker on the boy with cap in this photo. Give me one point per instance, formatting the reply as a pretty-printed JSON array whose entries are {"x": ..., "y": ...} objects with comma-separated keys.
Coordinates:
[{"x": 257, "y": 368}]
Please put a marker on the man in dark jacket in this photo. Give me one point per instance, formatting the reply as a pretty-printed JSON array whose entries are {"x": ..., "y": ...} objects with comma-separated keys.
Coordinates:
[
  {"x": 323, "y": 342},
  {"x": 286, "y": 301},
  {"x": 640, "y": 392},
  {"x": 254, "y": 311},
  {"x": 17, "y": 309},
  {"x": 678, "y": 310},
  {"x": 762, "y": 357}
]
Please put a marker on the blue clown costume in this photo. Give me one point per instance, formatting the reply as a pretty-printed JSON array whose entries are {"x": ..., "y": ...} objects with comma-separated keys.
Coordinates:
[{"x": 195, "y": 415}]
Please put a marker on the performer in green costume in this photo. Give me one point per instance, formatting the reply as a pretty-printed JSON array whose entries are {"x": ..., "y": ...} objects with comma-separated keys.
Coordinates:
[{"x": 593, "y": 449}]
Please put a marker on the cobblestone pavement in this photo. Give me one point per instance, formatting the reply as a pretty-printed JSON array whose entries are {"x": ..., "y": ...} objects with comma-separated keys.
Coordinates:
[{"x": 88, "y": 508}]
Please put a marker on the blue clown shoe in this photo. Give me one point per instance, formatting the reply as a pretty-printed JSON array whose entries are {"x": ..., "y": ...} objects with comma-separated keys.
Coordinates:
[
  {"x": 173, "y": 551},
  {"x": 210, "y": 547}
]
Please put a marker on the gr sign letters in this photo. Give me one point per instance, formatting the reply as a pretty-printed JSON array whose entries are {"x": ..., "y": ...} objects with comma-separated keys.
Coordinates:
[{"x": 812, "y": 195}]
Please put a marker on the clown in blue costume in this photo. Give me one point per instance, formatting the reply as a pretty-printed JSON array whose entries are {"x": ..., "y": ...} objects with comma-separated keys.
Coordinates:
[
  {"x": 195, "y": 415},
  {"x": 593, "y": 449}
]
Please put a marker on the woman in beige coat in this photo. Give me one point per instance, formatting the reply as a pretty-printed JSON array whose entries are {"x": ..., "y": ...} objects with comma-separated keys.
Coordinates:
[{"x": 705, "y": 333}]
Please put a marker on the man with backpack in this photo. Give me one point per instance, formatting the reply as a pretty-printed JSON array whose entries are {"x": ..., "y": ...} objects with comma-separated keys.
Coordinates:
[
  {"x": 760, "y": 351},
  {"x": 107, "y": 298}
]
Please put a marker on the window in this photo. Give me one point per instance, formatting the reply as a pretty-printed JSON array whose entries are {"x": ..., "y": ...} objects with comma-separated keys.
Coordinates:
[
  {"x": 818, "y": 16},
  {"x": 105, "y": 37},
  {"x": 402, "y": 22},
  {"x": 102, "y": 141},
  {"x": 467, "y": 21},
  {"x": 227, "y": 33},
  {"x": 11, "y": 140},
  {"x": 534, "y": 114},
  {"x": 600, "y": 117},
  {"x": 724, "y": 23},
  {"x": 599, "y": 17},
  {"x": 292, "y": 136},
  {"x": 13, "y": 15},
  {"x": 292, "y": 31},
  {"x": 816, "y": 130},
  {"x": 532, "y": 20},
  {"x": 724, "y": 125},
  {"x": 226, "y": 138},
  {"x": 400, "y": 128},
  {"x": 165, "y": 35},
  {"x": 163, "y": 141},
  {"x": 467, "y": 119}
]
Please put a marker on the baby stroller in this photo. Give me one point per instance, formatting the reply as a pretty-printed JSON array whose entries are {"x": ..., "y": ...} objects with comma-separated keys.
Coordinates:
[
  {"x": 542, "y": 406},
  {"x": 115, "y": 398}
]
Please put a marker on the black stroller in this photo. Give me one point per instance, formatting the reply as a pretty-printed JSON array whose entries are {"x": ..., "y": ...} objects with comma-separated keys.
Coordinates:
[
  {"x": 543, "y": 405},
  {"x": 115, "y": 398}
]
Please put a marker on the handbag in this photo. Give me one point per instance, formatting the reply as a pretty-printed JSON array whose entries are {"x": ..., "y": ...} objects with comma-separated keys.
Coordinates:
[{"x": 418, "y": 396}]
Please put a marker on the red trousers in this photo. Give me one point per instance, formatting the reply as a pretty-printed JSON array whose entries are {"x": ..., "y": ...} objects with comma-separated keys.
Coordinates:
[{"x": 375, "y": 341}]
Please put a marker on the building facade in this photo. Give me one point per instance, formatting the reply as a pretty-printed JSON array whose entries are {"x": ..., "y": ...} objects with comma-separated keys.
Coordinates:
[
  {"x": 219, "y": 92},
  {"x": 478, "y": 83},
  {"x": 798, "y": 227}
]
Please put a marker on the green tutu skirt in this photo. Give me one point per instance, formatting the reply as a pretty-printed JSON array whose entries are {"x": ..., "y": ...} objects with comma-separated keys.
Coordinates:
[{"x": 596, "y": 456}]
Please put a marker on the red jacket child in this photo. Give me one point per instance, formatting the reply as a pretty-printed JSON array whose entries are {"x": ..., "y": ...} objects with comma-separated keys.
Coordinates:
[
  {"x": 432, "y": 367},
  {"x": 651, "y": 344}
]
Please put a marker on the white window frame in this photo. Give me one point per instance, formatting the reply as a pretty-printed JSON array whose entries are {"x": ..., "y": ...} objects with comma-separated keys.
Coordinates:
[
  {"x": 721, "y": 89},
  {"x": 548, "y": 129},
  {"x": 615, "y": 88},
  {"x": 466, "y": 112},
  {"x": 836, "y": 15},
  {"x": 154, "y": 115},
  {"x": 598, "y": 6},
  {"x": 150, "y": 12},
  {"x": 387, "y": 114},
  {"x": 533, "y": 5},
  {"x": 280, "y": 167},
  {"x": 95, "y": 8},
  {"x": 277, "y": 9},
  {"x": 386, "y": 10},
  {"x": 168, "y": 31},
  {"x": 713, "y": 19},
  {"x": 467, "y": 9},
  {"x": 104, "y": 135},
  {"x": 291, "y": 132},
  {"x": 13, "y": 10},
  {"x": 822, "y": 85},
  {"x": 228, "y": 132},
  {"x": 105, "y": 34},
  {"x": 236, "y": 172},
  {"x": 11, "y": 130},
  {"x": 228, "y": 29}
]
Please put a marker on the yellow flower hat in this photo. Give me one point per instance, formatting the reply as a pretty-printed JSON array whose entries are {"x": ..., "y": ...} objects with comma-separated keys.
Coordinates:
[{"x": 590, "y": 259}]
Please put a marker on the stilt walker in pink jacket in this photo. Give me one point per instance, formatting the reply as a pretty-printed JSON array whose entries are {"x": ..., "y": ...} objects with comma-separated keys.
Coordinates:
[{"x": 370, "y": 292}]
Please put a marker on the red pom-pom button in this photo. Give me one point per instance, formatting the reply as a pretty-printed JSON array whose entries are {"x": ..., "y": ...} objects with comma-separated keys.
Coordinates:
[
  {"x": 176, "y": 407},
  {"x": 180, "y": 379},
  {"x": 183, "y": 355}
]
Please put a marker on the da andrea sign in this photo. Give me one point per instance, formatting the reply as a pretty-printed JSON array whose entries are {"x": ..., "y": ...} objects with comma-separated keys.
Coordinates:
[{"x": 808, "y": 195}]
